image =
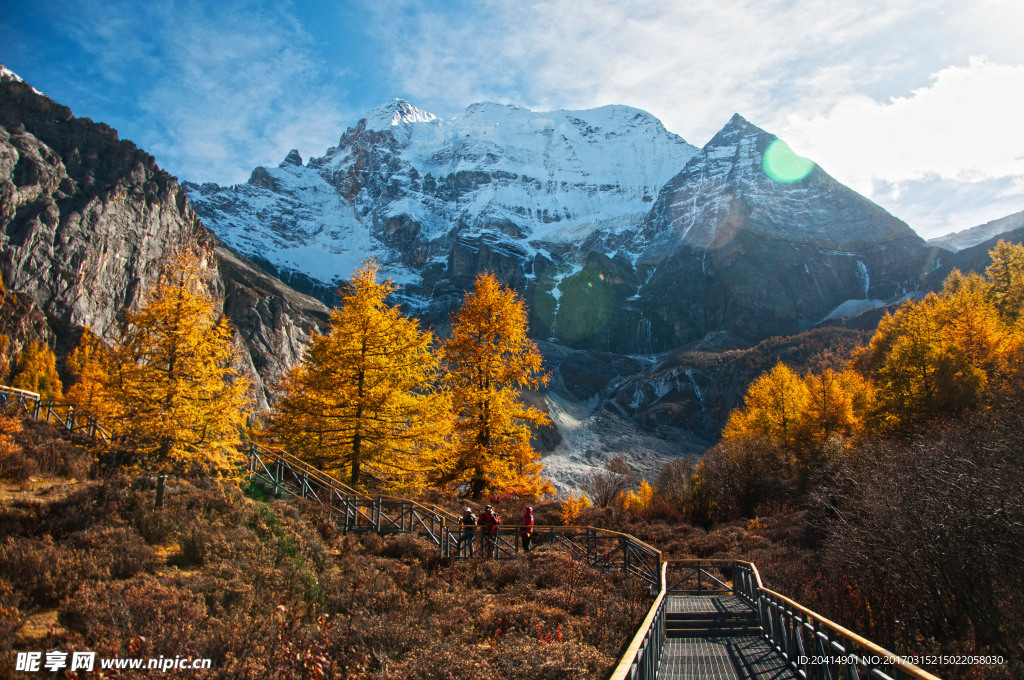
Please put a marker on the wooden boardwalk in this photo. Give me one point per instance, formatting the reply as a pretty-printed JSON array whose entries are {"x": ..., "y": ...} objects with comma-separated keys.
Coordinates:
[{"x": 714, "y": 637}]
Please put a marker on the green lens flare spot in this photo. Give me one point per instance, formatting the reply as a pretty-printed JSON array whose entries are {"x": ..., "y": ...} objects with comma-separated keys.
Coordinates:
[{"x": 784, "y": 166}]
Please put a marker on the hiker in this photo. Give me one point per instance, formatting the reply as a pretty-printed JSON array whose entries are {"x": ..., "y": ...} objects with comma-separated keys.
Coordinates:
[
  {"x": 526, "y": 529},
  {"x": 468, "y": 533},
  {"x": 489, "y": 521}
]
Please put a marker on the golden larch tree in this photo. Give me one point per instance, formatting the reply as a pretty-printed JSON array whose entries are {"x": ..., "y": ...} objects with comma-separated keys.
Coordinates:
[
  {"x": 361, "y": 404},
  {"x": 772, "y": 408},
  {"x": 973, "y": 341},
  {"x": 1007, "y": 276},
  {"x": 89, "y": 366},
  {"x": 838, "y": 404},
  {"x": 937, "y": 355},
  {"x": 488, "y": 359},
  {"x": 5, "y": 342},
  {"x": 36, "y": 371},
  {"x": 176, "y": 395},
  {"x": 902, "y": 360}
]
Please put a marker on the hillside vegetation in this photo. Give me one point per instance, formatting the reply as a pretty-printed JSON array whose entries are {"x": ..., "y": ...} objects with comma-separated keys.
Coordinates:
[{"x": 270, "y": 589}]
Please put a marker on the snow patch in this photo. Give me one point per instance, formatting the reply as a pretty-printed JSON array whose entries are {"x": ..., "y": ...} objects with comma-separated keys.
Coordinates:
[{"x": 853, "y": 308}]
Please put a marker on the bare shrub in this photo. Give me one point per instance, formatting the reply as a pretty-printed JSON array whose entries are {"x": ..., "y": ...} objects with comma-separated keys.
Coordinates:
[
  {"x": 604, "y": 486},
  {"x": 929, "y": 534},
  {"x": 17, "y": 466},
  {"x": 124, "y": 551},
  {"x": 407, "y": 546}
]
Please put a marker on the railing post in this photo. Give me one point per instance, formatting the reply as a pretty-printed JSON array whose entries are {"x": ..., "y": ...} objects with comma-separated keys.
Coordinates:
[{"x": 699, "y": 582}]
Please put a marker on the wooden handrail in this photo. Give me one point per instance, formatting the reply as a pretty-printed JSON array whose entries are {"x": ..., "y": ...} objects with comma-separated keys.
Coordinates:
[
  {"x": 34, "y": 396},
  {"x": 630, "y": 656},
  {"x": 896, "y": 660},
  {"x": 341, "y": 486},
  {"x": 644, "y": 634}
]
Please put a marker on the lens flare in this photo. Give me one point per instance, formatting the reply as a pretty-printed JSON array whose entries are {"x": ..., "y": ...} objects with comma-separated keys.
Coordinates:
[{"x": 784, "y": 166}]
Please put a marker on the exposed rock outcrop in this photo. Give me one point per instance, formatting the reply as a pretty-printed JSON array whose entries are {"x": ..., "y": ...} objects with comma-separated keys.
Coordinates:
[{"x": 87, "y": 219}]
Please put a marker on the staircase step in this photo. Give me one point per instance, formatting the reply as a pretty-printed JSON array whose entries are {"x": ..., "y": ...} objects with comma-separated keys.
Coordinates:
[
  {"x": 709, "y": 616},
  {"x": 742, "y": 626},
  {"x": 713, "y": 632}
]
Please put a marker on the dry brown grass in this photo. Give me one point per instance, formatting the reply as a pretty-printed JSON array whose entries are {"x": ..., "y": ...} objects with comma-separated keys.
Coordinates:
[{"x": 274, "y": 590}]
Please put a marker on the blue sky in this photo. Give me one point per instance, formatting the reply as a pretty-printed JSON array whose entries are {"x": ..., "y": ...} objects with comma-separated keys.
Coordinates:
[{"x": 914, "y": 103}]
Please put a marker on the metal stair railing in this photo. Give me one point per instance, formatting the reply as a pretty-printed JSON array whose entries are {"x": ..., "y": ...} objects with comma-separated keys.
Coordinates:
[
  {"x": 60, "y": 413},
  {"x": 355, "y": 511},
  {"x": 818, "y": 649},
  {"x": 813, "y": 646},
  {"x": 642, "y": 659},
  {"x": 702, "y": 577}
]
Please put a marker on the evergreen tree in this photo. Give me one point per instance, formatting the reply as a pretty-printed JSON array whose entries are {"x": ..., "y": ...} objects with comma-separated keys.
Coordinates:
[
  {"x": 360, "y": 403},
  {"x": 488, "y": 359}
]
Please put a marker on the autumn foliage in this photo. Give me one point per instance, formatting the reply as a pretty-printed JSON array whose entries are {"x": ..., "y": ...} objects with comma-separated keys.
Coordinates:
[
  {"x": 488, "y": 359},
  {"x": 168, "y": 388},
  {"x": 363, "y": 403},
  {"x": 36, "y": 371},
  {"x": 377, "y": 402}
]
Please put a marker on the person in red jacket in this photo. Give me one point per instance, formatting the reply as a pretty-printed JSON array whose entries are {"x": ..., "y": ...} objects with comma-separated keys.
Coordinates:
[
  {"x": 526, "y": 530},
  {"x": 489, "y": 521}
]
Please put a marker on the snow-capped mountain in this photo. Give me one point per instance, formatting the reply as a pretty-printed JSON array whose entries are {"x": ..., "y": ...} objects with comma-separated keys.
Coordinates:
[
  {"x": 968, "y": 238},
  {"x": 402, "y": 184},
  {"x": 622, "y": 236}
]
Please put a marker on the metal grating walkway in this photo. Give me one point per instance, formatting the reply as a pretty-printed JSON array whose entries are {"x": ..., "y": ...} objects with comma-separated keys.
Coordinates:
[
  {"x": 679, "y": 604},
  {"x": 726, "y": 657},
  {"x": 722, "y": 658}
]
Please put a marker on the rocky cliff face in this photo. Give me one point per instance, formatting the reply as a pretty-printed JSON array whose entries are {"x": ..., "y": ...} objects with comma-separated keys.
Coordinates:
[{"x": 88, "y": 218}]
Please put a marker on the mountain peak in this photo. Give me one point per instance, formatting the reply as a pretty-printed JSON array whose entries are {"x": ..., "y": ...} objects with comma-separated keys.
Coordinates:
[
  {"x": 293, "y": 158},
  {"x": 396, "y": 112},
  {"x": 8, "y": 74},
  {"x": 736, "y": 128}
]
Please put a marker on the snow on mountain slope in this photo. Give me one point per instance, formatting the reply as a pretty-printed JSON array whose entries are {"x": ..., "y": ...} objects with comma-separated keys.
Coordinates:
[
  {"x": 401, "y": 182},
  {"x": 621, "y": 236},
  {"x": 290, "y": 216},
  {"x": 960, "y": 240},
  {"x": 8, "y": 74},
  {"x": 729, "y": 186}
]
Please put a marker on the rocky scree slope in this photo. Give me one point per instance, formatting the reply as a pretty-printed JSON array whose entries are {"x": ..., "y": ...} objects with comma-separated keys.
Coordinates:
[{"x": 87, "y": 219}]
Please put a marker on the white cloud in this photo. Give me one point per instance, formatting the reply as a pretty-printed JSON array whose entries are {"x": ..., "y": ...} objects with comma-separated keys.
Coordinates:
[
  {"x": 964, "y": 127},
  {"x": 691, "y": 64},
  {"x": 218, "y": 88},
  {"x": 846, "y": 82}
]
